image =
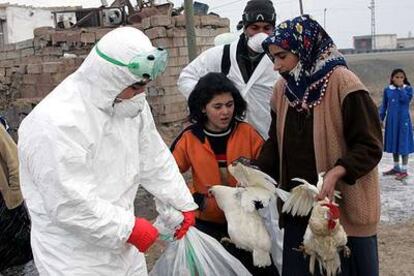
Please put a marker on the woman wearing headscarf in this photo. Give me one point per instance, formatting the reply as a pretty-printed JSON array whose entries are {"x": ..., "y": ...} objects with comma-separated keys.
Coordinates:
[{"x": 323, "y": 120}]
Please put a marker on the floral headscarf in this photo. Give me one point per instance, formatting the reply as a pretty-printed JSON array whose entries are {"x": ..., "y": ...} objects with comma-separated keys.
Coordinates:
[{"x": 318, "y": 57}]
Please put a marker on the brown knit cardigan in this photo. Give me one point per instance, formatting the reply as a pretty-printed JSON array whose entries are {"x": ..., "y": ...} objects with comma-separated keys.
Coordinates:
[{"x": 360, "y": 203}]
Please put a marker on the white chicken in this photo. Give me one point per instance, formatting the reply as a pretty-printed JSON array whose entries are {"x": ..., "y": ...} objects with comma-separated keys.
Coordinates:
[
  {"x": 246, "y": 227},
  {"x": 324, "y": 237}
]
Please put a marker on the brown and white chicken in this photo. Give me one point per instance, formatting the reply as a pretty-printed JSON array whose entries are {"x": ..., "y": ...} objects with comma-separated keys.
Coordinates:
[{"x": 324, "y": 237}]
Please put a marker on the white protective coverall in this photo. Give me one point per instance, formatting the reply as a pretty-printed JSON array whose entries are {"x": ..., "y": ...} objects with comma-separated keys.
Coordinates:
[
  {"x": 81, "y": 165},
  {"x": 257, "y": 91}
]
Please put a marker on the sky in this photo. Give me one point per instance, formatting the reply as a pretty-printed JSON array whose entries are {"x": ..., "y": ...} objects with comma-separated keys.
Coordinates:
[{"x": 344, "y": 18}]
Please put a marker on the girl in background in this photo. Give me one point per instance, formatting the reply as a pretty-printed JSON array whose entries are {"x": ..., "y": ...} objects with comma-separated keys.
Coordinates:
[{"x": 395, "y": 109}]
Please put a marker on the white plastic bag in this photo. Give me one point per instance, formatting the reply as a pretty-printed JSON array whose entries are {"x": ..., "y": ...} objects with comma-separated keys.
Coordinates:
[
  {"x": 195, "y": 254},
  {"x": 270, "y": 217}
]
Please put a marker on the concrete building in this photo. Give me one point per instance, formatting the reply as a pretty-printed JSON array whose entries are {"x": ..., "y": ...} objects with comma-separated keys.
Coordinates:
[
  {"x": 382, "y": 42},
  {"x": 17, "y": 22},
  {"x": 407, "y": 42}
]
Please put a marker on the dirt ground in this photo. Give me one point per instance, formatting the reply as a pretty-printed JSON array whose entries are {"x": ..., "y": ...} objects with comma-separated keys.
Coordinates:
[{"x": 396, "y": 249}]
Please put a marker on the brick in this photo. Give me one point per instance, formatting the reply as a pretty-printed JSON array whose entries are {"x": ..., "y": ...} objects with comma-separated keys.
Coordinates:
[
  {"x": 99, "y": 33},
  {"x": 59, "y": 77},
  {"x": 197, "y": 21},
  {"x": 224, "y": 22},
  {"x": 28, "y": 91},
  {"x": 9, "y": 72},
  {"x": 175, "y": 107},
  {"x": 28, "y": 43},
  {"x": 172, "y": 90},
  {"x": 204, "y": 32},
  {"x": 171, "y": 99},
  {"x": 41, "y": 31},
  {"x": 178, "y": 61},
  {"x": 73, "y": 37},
  {"x": 203, "y": 48},
  {"x": 88, "y": 38},
  {"x": 21, "y": 69},
  {"x": 166, "y": 81},
  {"x": 7, "y": 80},
  {"x": 179, "y": 41},
  {"x": 30, "y": 79},
  {"x": 34, "y": 68},
  {"x": 163, "y": 42},
  {"x": 156, "y": 32},
  {"x": 173, "y": 71},
  {"x": 169, "y": 118},
  {"x": 13, "y": 54},
  {"x": 33, "y": 59},
  {"x": 173, "y": 52},
  {"x": 3, "y": 56},
  {"x": 51, "y": 67},
  {"x": 146, "y": 23},
  {"x": 17, "y": 82},
  {"x": 44, "y": 79},
  {"x": 9, "y": 47},
  {"x": 138, "y": 26},
  {"x": 155, "y": 91},
  {"x": 170, "y": 32},
  {"x": 58, "y": 37},
  {"x": 50, "y": 51},
  {"x": 39, "y": 43},
  {"x": 78, "y": 61},
  {"x": 161, "y": 20},
  {"x": 183, "y": 51},
  {"x": 6, "y": 63},
  {"x": 218, "y": 31},
  {"x": 179, "y": 20},
  {"x": 68, "y": 63},
  {"x": 202, "y": 41},
  {"x": 210, "y": 20},
  {"x": 50, "y": 58},
  {"x": 42, "y": 90},
  {"x": 178, "y": 32},
  {"x": 27, "y": 52}
]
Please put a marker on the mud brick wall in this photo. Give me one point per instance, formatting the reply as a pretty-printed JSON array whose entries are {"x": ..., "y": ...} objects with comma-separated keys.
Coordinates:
[
  {"x": 169, "y": 32},
  {"x": 31, "y": 69}
]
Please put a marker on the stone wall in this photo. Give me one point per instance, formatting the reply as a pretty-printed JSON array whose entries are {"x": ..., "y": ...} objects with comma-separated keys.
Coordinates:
[
  {"x": 170, "y": 33},
  {"x": 30, "y": 69}
]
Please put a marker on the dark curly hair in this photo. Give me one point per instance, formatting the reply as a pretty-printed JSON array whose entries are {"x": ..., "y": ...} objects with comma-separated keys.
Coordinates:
[{"x": 207, "y": 87}]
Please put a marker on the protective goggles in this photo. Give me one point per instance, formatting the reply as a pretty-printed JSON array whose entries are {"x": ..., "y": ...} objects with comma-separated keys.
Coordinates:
[{"x": 147, "y": 65}]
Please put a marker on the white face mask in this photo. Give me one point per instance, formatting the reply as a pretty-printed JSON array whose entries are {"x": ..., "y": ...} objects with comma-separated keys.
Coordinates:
[
  {"x": 130, "y": 107},
  {"x": 255, "y": 42}
]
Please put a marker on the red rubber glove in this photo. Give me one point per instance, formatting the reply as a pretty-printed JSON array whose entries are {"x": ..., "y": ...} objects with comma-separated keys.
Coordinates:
[
  {"x": 143, "y": 234},
  {"x": 189, "y": 220}
]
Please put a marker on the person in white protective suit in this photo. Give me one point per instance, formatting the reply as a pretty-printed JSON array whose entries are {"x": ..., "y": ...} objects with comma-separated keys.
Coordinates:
[
  {"x": 83, "y": 152},
  {"x": 243, "y": 62}
]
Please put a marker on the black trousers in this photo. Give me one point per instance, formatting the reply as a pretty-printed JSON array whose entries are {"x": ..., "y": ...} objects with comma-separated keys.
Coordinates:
[
  {"x": 219, "y": 231},
  {"x": 362, "y": 262}
]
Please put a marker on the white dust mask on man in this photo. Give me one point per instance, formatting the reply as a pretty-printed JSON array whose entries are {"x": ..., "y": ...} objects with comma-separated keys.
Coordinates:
[
  {"x": 255, "y": 42},
  {"x": 130, "y": 107}
]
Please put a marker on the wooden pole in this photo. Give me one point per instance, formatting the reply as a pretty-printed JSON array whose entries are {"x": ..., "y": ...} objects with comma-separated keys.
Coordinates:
[
  {"x": 301, "y": 7},
  {"x": 191, "y": 37}
]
